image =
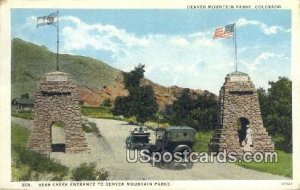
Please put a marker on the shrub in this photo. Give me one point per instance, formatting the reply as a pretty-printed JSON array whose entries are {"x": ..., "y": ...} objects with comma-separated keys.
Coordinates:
[
  {"x": 132, "y": 120},
  {"x": 38, "y": 162},
  {"x": 57, "y": 177},
  {"x": 20, "y": 172},
  {"x": 88, "y": 172},
  {"x": 90, "y": 127}
]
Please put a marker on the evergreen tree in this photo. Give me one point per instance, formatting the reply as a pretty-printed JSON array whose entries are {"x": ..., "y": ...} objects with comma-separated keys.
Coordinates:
[
  {"x": 133, "y": 79},
  {"x": 140, "y": 101}
]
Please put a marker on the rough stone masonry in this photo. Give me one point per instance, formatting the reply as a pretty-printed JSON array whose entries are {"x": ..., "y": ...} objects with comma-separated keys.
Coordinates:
[
  {"x": 56, "y": 99},
  {"x": 239, "y": 108}
]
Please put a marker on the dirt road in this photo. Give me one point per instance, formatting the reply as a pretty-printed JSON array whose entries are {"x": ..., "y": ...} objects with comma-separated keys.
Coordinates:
[{"x": 109, "y": 152}]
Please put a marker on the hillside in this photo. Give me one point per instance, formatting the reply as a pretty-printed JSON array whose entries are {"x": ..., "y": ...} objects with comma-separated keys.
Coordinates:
[
  {"x": 30, "y": 62},
  {"x": 96, "y": 80},
  {"x": 164, "y": 95}
]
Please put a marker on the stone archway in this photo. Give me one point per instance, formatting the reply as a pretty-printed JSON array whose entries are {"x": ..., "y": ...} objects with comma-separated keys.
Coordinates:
[
  {"x": 56, "y": 99},
  {"x": 58, "y": 137}
]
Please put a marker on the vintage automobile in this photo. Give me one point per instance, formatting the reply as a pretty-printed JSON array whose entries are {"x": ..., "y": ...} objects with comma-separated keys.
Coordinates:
[
  {"x": 138, "y": 138},
  {"x": 173, "y": 139}
]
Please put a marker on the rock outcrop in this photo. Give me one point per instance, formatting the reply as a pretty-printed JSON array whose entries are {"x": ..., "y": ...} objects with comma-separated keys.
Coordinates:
[{"x": 164, "y": 95}]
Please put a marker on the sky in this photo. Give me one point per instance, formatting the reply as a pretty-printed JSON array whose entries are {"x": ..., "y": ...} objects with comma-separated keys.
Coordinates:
[{"x": 175, "y": 45}]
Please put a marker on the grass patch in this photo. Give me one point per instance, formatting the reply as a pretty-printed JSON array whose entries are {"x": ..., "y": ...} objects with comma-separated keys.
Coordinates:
[
  {"x": 19, "y": 135},
  {"x": 202, "y": 140},
  {"x": 23, "y": 114},
  {"x": 284, "y": 166},
  {"x": 29, "y": 165},
  {"x": 93, "y": 112},
  {"x": 154, "y": 125},
  {"x": 99, "y": 112}
]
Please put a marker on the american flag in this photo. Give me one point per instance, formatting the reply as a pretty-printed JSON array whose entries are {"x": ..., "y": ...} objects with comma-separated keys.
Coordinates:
[{"x": 224, "y": 32}]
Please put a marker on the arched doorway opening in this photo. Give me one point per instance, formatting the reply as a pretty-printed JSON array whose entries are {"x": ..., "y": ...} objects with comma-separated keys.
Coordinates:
[
  {"x": 57, "y": 137},
  {"x": 242, "y": 127}
]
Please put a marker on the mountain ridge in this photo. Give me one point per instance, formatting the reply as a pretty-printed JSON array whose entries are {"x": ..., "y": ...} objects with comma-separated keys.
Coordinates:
[{"x": 96, "y": 80}]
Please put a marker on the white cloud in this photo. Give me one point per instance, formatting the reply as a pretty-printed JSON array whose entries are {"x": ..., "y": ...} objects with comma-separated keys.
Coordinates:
[
  {"x": 265, "y": 58},
  {"x": 98, "y": 36},
  {"x": 267, "y": 66},
  {"x": 193, "y": 60},
  {"x": 179, "y": 41},
  {"x": 268, "y": 30}
]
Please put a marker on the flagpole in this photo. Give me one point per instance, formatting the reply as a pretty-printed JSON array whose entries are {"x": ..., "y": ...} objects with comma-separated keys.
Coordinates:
[
  {"x": 235, "y": 48},
  {"x": 233, "y": 45},
  {"x": 57, "y": 53}
]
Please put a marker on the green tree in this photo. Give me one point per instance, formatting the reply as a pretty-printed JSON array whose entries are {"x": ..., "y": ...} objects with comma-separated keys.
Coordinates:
[
  {"x": 280, "y": 114},
  {"x": 276, "y": 109},
  {"x": 133, "y": 78},
  {"x": 143, "y": 103},
  {"x": 140, "y": 102},
  {"x": 182, "y": 107},
  {"x": 205, "y": 112},
  {"x": 199, "y": 112},
  {"x": 121, "y": 106},
  {"x": 263, "y": 99}
]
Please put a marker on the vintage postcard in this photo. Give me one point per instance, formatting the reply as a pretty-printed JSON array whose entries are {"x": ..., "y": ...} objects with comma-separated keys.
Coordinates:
[{"x": 154, "y": 95}]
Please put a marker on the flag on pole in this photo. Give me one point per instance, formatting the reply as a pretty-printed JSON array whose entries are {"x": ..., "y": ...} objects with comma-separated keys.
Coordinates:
[
  {"x": 228, "y": 31},
  {"x": 51, "y": 19},
  {"x": 224, "y": 32}
]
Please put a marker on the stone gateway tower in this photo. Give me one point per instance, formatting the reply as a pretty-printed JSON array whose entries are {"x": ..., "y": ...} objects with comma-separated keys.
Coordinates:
[
  {"x": 56, "y": 100},
  {"x": 240, "y": 127}
]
